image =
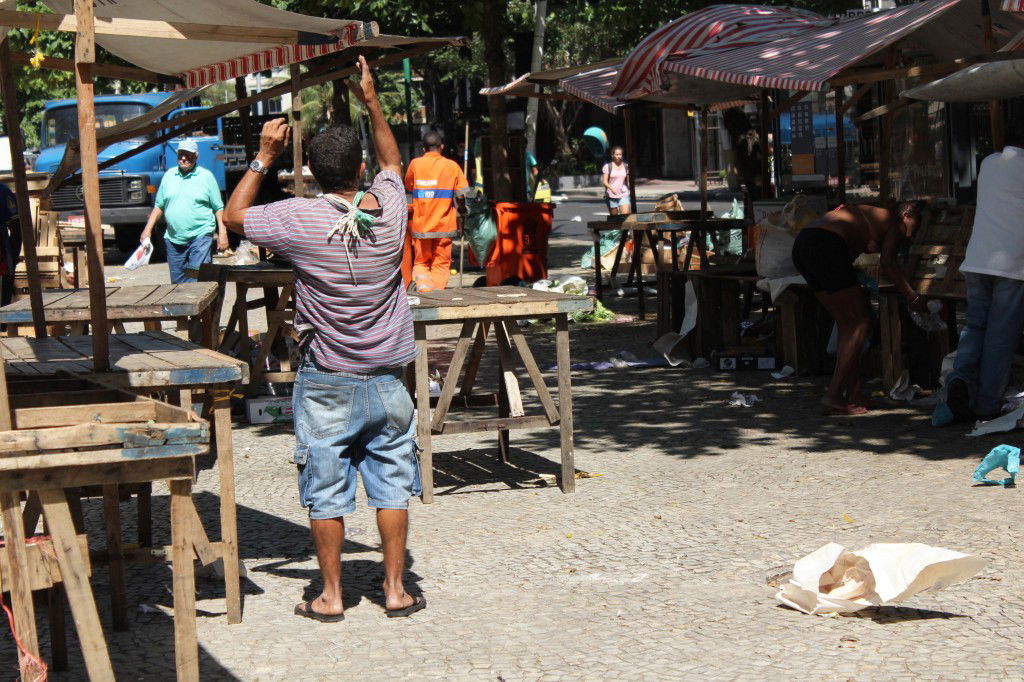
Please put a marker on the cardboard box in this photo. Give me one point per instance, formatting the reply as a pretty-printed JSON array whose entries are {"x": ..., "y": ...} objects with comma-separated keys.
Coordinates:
[
  {"x": 746, "y": 362},
  {"x": 269, "y": 409}
]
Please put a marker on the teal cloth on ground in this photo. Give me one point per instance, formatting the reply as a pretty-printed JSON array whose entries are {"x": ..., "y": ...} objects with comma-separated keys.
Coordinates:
[
  {"x": 609, "y": 241},
  {"x": 1004, "y": 457},
  {"x": 190, "y": 203}
]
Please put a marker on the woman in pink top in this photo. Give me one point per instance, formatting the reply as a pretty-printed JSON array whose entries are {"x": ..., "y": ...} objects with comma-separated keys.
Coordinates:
[{"x": 616, "y": 183}]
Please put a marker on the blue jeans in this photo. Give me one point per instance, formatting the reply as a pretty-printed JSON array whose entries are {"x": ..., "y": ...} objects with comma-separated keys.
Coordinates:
[
  {"x": 190, "y": 256},
  {"x": 995, "y": 316},
  {"x": 347, "y": 424}
]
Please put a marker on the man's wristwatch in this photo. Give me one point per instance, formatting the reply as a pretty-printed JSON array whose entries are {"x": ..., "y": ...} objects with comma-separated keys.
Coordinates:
[{"x": 257, "y": 167}]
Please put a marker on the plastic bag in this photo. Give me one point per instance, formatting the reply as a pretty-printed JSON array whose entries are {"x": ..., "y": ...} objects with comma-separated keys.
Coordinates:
[
  {"x": 930, "y": 321},
  {"x": 479, "y": 226},
  {"x": 834, "y": 580},
  {"x": 775, "y": 248},
  {"x": 140, "y": 256},
  {"x": 1005, "y": 457},
  {"x": 246, "y": 253},
  {"x": 609, "y": 242}
]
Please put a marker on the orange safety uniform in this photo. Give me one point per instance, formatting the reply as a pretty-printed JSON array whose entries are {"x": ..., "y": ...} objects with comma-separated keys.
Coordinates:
[{"x": 435, "y": 183}]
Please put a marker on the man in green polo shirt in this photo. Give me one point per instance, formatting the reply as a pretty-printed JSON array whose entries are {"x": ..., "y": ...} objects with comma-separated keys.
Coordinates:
[{"x": 190, "y": 201}]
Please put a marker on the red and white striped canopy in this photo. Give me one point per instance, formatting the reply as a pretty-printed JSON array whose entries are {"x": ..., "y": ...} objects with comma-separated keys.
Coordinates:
[
  {"x": 593, "y": 87},
  {"x": 716, "y": 27},
  {"x": 808, "y": 59},
  {"x": 1013, "y": 5}
]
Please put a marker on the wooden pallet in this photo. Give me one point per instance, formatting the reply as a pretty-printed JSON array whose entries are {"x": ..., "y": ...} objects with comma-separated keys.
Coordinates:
[
  {"x": 48, "y": 254},
  {"x": 938, "y": 251}
]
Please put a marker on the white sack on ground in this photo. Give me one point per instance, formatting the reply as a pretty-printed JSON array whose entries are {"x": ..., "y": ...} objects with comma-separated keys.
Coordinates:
[
  {"x": 666, "y": 343},
  {"x": 835, "y": 580}
]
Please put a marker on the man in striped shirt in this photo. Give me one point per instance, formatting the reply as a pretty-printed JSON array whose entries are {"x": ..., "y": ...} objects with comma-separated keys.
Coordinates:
[{"x": 351, "y": 408}]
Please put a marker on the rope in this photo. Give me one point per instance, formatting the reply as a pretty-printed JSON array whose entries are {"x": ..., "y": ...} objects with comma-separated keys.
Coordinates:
[{"x": 351, "y": 226}]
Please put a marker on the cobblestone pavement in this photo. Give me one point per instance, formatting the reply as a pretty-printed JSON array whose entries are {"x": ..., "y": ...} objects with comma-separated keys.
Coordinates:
[{"x": 654, "y": 569}]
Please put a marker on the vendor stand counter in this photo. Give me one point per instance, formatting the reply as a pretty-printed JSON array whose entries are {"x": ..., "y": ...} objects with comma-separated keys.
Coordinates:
[
  {"x": 149, "y": 304},
  {"x": 480, "y": 310},
  {"x": 697, "y": 223},
  {"x": 156, "y": 362}
]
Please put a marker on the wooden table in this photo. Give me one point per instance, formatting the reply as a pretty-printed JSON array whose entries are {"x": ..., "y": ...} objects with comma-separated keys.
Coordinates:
[
  {"x": 652, "y": 225},
  {"x": 479, "y": 310},
  {"x": 157, "y": 362},
  {"x": 132, "y": 440},
  {"x": 149, "y": 304}
]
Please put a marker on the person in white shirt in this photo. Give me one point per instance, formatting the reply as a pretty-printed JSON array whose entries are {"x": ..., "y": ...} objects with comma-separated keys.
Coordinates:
[{"x": 994, "y": 270}]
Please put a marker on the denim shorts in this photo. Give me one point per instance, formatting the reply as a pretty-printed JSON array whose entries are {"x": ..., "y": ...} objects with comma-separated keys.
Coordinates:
[
  {"x": 622, "y": 202},
  {"x": 349, "y": 423}
]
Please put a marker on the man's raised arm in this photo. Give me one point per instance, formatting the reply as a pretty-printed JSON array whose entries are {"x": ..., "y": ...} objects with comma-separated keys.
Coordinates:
[{"x": 385, "y": 147}]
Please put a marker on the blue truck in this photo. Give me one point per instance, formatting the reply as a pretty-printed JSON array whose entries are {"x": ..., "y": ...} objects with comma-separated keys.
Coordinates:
[{"x": 127, "y": 190}]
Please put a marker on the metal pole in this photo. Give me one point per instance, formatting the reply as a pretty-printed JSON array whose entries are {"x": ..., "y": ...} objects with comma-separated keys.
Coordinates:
[
  {"x": 840, "y": 148},
  {"x": 407, "y": 72}
]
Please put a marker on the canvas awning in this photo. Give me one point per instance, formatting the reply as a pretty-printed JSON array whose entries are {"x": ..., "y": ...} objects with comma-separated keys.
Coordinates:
[
  {"x": 529, "y": 84},
  {"x": 201, "y": 62},
  {"x": 944, "y": 29},
  {"x": 978, "y": 83},
  {"x": 716, "y": 27}
]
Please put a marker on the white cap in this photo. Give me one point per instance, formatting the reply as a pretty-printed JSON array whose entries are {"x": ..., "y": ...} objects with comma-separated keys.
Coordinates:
[{"x": 188, "y": 146}]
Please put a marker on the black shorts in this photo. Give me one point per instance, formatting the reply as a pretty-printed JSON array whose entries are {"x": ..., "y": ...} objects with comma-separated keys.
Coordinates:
[{"x": 823, "y": 259}]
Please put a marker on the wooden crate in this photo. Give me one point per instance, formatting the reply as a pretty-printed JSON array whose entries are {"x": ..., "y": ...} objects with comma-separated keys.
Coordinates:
[
  {"x": 938, "y": 251},
  {"x": 48, "y": 255}
]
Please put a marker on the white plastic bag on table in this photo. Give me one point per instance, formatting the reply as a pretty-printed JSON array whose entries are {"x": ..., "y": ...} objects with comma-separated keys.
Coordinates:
[
  {"x": 140, "y": 256},
  {"x": 835, "y": 580},
  {"x": 774, "y": 249},
  {"x": 246, "y": 253}
]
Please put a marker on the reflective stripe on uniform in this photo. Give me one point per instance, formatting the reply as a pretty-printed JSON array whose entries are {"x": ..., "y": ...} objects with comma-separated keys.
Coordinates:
[
  {"x": 433, "y": 194},
  {"x": 434, "y": 235}
]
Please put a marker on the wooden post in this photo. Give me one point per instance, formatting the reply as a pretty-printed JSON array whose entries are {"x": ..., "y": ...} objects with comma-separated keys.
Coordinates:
[
  {"x": 244, "y": 120},
  {"x": 703, "y": 164},
  {"x": 840, "y": 148},
  {"x": 636, "y": 264},
  {"x": 186, "y": 644},
  {"x": 12, "y": 121},
  {"x": 300, "y": 182},
  {"x": 228, "y": 508},
  {"x": 766, "y": 176},
  {"x": 567, "y": 480},
  {"x": 85, "y": 57},
  {"x": 995, "y": 111}
]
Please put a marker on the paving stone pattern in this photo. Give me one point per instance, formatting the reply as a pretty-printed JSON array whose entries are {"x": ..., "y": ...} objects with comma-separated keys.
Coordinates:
[{"x": 654, "y": 569}]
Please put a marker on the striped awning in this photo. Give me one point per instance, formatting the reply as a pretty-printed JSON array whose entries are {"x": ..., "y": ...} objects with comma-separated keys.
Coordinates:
[
  {"x": 717, "y": 27},
  {"x": 807, "y": 60},
  {"x": 202, "y": 62},
  {"x": 1013, "y": 5},
  {"x": 593, "y": 86},
  {"x": 527, "y": 84}
]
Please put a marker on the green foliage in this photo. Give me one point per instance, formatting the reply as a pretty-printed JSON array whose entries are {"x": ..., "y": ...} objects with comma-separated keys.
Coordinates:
[{"x": 36, "y": 86}]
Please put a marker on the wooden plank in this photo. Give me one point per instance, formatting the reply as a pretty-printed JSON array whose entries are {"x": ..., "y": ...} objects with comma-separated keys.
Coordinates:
[
  {"x": 11, "y": 465},
  {"x": 129, "y": 73},
  {"x": 474, "y": 360},
  {"x": 508, "y": 375},
  {"x": 423, "y": 430},
  {"x": 499, "y": 424},
  {"x": 568, "y": 477},
  {"x": 18, "y": 582},
  {"x": 516, "y": 335},
  {"x": 228, "y": 514},
  {"x": 91, "y": 473},
  {"x": 67, "y": 398},
  {"x": 298, "y": 185},
  {"x": 76, "y": 583},
  {"x": 12, "y": 121},
  {"x": 95, "y": 434},
  {"x": 451, "y": 379},
  {"x": 68, "y": 415},
  {"x": 115, "y": 557},
  {"x": 186, "y": 643},
  {"x": 85, "y": 55}
]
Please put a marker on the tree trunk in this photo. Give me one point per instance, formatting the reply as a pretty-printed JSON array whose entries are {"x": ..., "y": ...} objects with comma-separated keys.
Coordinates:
[
  {"x": 493, "y": 34},
  {"x": 558, "y": 125},
  {"x": 339, "y": 103},
  {"x": 540, "y": 11}
]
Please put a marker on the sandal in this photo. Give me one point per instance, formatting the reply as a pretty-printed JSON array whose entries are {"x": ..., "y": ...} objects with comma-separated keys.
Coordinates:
[
  {"x": 308, "y": 612},
  {"x": 845, "y": 411},
  {"x": 418, "y": 603}
]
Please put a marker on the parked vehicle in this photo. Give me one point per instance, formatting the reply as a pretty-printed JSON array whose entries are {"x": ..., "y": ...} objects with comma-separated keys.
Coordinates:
[{"x": 127, "y": 189}]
